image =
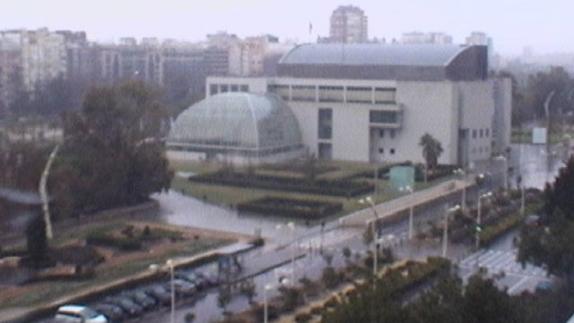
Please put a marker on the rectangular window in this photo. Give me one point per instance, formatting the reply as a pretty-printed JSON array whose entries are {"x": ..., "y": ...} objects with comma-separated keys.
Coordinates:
[
  {"x": 473, "y": 133},
  {"x": 244, "y": 88},
  {"x": 325, "y": 123},
  {"x": 392, "y": 133},
  {"x": 325, "y": 151},
  {"x": 213, "y": 90},
  {"x": 356, "y": 94},
  {"x": 281, "y": 90},
  {"x": 304, "y": 93},
  {"x": 381, "y": 150},
  {"x": 234, "y": 88},
  {"x": 392, "y": 151},
  {"x": 385, "y": 95},
  {"x": 383, "y": 116},
  {"x": 481, "y": 133},
  {"x": 382, "y": 133},
  {"x": 487, "y": 132},
  {"x": 224, "y": 88},
  {"x": 330, "y": 94}
]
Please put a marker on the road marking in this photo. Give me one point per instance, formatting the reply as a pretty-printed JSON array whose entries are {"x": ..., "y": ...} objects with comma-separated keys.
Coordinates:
[{"x": 517, "y": 285}]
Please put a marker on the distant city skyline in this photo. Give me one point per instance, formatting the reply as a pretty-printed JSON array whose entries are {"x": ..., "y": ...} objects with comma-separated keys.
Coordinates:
[{"x": 513, "y": 24}]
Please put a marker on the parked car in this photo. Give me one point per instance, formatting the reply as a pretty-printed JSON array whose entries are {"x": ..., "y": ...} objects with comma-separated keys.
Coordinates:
[
  {"x": 182, "y": 287},
  {"x": 79, "y": 313},
  {"x": 159, "y": 292},
  {"x": 126, "y": 304},
  {"x": 196, "y": 278},
  {"x": 142, "y": 299},
  {"x": 112, "y": 312}
]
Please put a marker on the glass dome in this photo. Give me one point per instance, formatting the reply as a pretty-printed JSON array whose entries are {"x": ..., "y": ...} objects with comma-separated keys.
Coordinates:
[{"x": 242, "y": 122}]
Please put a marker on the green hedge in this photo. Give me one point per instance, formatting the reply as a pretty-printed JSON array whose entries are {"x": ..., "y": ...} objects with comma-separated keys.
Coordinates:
[
  {"x": 306, "y": 209},
  {"x": 339, "y": 187},
  {"x": 108, "y": 240}
]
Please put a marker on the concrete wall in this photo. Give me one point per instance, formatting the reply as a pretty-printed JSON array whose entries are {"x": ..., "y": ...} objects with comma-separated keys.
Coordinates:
[{"x": 476, "y": 103}]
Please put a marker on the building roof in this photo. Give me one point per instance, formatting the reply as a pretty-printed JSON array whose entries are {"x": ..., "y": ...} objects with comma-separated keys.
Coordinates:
[
  {"x": 373, "y": 54},
  {"x": 237, "y": 121},
  {"x": 390, "y": 61}
]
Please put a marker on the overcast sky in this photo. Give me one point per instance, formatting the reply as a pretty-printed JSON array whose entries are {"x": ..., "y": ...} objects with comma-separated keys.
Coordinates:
[{"x": 546, "y": 26}]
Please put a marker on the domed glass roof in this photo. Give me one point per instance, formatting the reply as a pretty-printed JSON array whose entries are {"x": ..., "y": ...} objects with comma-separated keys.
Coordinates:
[{"x": 237, "y": 121}]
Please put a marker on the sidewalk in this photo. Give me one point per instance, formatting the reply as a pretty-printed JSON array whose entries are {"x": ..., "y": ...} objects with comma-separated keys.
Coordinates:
[{"x": 385, "y": 210}]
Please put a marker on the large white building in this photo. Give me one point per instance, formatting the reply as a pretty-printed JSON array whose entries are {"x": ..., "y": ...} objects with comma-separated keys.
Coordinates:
[{"x": 372, "y": 102}]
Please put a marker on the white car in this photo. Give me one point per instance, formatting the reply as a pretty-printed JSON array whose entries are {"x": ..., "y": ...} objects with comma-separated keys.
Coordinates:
[{"x": 80, "y": 314}]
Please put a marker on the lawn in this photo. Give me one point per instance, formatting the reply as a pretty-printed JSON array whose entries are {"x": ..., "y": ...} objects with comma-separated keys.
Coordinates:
[
  {"x": 230, "y": 196},
  {"x": 118, "y": 264}
]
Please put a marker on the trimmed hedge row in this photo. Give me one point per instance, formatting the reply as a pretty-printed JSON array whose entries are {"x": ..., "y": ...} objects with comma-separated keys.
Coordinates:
[
  {"x": 107, "y": 240},
  {"x": 346, "y": 188},
  {"x": 306, "y": 209}
]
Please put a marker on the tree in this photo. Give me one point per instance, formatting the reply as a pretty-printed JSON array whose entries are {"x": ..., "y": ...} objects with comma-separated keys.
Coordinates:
[
  {"x": 113, "y": 154},
  {"x": 550, "y": 243},
  {"x": 432, "y": 149}
]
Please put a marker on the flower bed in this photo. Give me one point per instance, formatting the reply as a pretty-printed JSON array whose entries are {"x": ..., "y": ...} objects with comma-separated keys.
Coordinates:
[
  {"x": 345, "y": 188},
  {"x": 307, "y": 209}
]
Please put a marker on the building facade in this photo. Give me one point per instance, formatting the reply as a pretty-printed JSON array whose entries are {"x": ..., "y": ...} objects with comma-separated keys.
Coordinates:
[
  {"x": 373, "y": 103},
  {"x": 426, "y": 38},
  {"x": 348, "y": 24}
]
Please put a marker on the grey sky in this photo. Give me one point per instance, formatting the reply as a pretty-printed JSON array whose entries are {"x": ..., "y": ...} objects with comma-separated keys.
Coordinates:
[{"x": 546, "y": 26}]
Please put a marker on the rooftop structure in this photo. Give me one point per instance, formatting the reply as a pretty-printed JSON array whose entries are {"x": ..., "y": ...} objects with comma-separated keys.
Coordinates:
[{"x": 386, "y": 62}]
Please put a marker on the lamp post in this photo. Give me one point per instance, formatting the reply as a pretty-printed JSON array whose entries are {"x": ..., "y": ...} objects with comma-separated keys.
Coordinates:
[
  {"x": 369, "y": 201},
  {"x": 409, "y": 189},
  {"x": 479, "y": 222},
  {"x": 267, "y": 288},
  {"x": 445, "y": 229},
  {"x": 291, "y": 227},
  {"x": 169, "y": 263},
  {"x": 462, "y": 173}
]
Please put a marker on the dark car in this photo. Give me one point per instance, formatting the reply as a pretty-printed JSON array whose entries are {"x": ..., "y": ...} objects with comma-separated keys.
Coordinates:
[
  {"x": 126, "y": 304},
  {"x": 112, "y": 312},
  {"x": 142, "y": 299},
  {"x": 157, "y": 291},
  {"x": 196, "y": 278},
  {"x": 182, "y": 287}
]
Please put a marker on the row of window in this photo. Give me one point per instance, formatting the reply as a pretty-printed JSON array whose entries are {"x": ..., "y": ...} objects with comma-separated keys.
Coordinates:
[
  {"x": 223, "y": 88},
  {"x": 392, "y": 133},
  {"x": 391, "y": 151},
  {"x": 480, "y": 150},
  {"x": 480, "y": 133},
  {"x": 341, "y": 94}
]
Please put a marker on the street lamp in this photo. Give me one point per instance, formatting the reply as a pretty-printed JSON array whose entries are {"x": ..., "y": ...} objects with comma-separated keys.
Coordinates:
[
  {"x": 267, "y": 288},
  {"x": 501, "y": 157},
  {"x": 445, "y": 229},
  {"x": 291, "y": 227},
  {"x": 462, "y": 173},
  {"x": 369, "y": 201},
  {"x": 409, "y": 189},
  {"x": 170, "y": 264},
  {"x": 479, "y": 222}
]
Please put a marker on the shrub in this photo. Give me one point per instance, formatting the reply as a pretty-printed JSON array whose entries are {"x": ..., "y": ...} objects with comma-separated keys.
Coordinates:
[
  {"x": 292, "y": 297},
  {"x": 330, "y": 278},
  {"x": 331, "y": 302},
  {"x": 36, "y": 240},
  {"x": 99, "y": 238},
  {"x": 291, "y": 207},
  {"x": 316, "y": 310},
  {"x": 338, "y": 187},
  {"x": 303, "y": 317},
  {"x": 189, "y": 317}
]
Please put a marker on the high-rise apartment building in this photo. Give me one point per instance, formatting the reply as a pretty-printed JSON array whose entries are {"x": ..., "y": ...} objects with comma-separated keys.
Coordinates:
[{"x": 349, "y": 24}]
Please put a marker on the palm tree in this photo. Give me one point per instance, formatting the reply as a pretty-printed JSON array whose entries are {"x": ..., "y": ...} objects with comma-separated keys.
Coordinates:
[{"x": 432, "y": 149}]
